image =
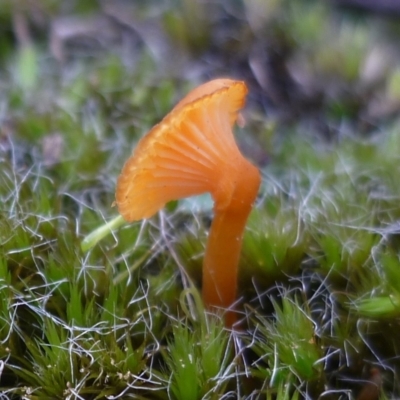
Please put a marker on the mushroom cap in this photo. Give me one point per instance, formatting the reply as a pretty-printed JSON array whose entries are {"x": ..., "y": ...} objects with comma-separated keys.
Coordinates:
[{"x": 191, "y": 151}]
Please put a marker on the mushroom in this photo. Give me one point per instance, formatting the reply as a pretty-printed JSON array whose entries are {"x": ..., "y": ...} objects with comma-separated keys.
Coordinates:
[{"x": 190, "y": 152}]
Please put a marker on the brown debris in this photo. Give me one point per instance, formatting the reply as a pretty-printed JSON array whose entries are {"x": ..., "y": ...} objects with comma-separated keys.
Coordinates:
[{"x": 372, "y": 389}]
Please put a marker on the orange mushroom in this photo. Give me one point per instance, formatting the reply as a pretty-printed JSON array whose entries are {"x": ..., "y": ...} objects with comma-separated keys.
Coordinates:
[{"x": 193, "y": 151}]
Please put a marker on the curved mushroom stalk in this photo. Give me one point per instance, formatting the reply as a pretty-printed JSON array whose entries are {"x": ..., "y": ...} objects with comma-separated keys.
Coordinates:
[
  {"x": 222, "y": 255},
  {"x": 193, "y": 151}
]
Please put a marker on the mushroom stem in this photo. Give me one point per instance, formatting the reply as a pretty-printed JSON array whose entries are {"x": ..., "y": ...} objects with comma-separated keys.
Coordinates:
[
  {"x": 219, "y": 288},
  {"x": 221, "y": 260}
]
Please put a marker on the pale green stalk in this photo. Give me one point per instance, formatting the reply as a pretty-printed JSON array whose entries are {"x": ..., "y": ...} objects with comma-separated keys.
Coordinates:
[{"x": 101, "y": 232}]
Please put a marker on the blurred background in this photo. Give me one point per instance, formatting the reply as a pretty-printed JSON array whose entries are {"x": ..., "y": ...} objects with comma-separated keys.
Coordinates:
[{"x": 331, "y": 66}]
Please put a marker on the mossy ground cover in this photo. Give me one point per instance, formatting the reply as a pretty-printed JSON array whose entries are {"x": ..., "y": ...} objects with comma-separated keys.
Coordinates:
[{"x": 122, "y": 317}]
